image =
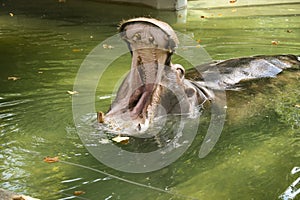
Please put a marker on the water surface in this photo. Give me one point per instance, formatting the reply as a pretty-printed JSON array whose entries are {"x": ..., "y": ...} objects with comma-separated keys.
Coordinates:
[{"x": 42, "y": 45}]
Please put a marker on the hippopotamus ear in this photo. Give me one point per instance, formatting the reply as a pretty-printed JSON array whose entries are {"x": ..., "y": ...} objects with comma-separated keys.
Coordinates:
[{"x": 180, "y": 70}]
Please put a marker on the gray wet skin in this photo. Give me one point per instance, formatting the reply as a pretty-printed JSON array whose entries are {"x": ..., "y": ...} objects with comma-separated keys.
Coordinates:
[{"x": 156, "y": 87}]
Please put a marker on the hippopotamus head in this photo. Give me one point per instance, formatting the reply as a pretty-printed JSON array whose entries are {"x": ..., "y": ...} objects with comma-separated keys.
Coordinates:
[{"x": 154, "y": 86}]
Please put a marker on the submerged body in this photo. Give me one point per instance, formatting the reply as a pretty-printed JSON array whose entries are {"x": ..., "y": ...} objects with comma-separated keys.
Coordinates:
[{"x": 155, "y": 87}]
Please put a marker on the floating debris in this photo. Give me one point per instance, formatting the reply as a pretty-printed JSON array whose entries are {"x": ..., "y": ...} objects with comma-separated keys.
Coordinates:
[
  {"x": 49, "y": 159},
  {"x": 11, "y": 14},
  {"x": 72, "y": 92},
  {"x": 77, "y": 50},
  {"x": 274, "y": 42},
  {"x": 13, "y": 78},
  {"x": 232, "y": 1},
  {"x": 79, "y": 192},
  {"x": 121, "y": 139}
]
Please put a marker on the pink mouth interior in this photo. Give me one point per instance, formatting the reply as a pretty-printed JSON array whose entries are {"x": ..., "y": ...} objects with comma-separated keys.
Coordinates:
[{"x": 140, "y": 100}]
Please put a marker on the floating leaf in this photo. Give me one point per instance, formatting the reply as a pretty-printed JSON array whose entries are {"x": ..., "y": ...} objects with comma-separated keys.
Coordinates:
[
  {"x": 79, "y": 192},
  {"x": 121, "y": 139},
  {"x": 13, "y": 78},
  {"x": 77, "y": 50},
  {"x": 72, "y": 92},
  {"x": 51, "y": 159}
]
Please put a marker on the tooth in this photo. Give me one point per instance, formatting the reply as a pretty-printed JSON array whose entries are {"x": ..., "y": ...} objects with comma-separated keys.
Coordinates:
[{"x": 100, "y": 117}]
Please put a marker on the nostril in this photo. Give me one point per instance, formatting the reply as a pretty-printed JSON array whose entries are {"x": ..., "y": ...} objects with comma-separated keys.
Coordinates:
[{"x": 139, "y": 128}]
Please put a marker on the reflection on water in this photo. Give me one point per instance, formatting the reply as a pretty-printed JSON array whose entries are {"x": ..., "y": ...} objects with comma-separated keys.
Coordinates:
[
  {"x": 43, "y": 43},
  {"x": 292, "y": 191}
]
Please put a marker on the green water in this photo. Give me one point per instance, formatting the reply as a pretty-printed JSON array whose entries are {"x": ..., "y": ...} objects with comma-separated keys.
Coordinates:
[{"x": 43, "y": 43}]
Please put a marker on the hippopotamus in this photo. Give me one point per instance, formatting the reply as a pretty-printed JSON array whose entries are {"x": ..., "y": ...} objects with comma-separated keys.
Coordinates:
[{"x": 155, "y": 86}]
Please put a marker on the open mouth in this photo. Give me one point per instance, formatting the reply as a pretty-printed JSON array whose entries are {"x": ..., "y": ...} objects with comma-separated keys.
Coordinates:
[
  {"x": 151, "y": 44},
  {"x": 147, "y": 69}
]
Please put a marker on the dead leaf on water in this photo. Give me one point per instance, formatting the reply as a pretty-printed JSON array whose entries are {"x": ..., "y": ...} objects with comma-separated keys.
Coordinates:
[
  {"x": 49, "y": 159},
  {"x": 77, "y": 50},
  {"x": 79, "y": 192},
  {"x": 121, "y": 139},
  {"x": 13, "y": 78},
  {"x": 72, "y": 92}
]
